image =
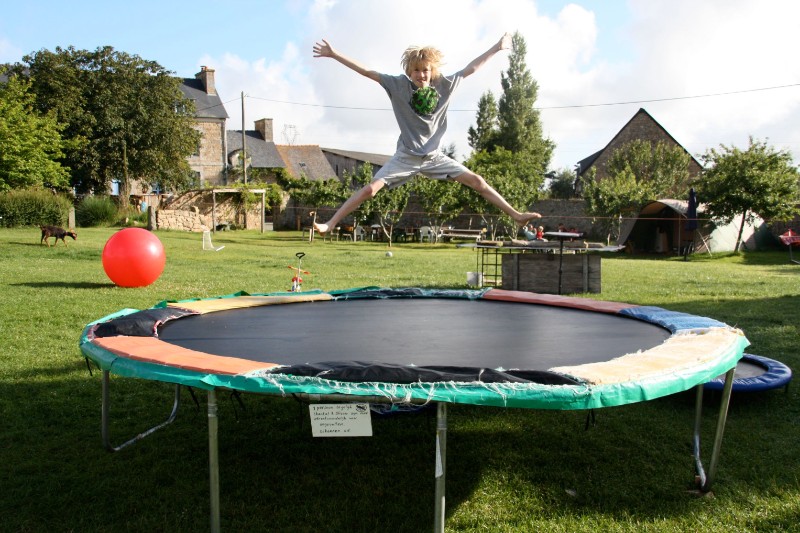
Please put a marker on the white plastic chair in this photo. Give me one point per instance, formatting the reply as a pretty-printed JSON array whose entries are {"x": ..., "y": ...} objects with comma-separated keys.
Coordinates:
[
  {"x": 359, "y": 233},
  {"x": 426, "y": 232},
  {"x": 207, "y": 244}
]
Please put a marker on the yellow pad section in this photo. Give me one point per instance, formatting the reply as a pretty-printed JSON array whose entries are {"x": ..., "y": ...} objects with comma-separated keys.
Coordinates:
[
  {"x": 679, "y": 353},
  {"x": 238, "y": 302}
]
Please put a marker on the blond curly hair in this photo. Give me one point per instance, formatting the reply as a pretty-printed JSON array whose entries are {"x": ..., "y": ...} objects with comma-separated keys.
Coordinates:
[{"x": 415, "y": 55}]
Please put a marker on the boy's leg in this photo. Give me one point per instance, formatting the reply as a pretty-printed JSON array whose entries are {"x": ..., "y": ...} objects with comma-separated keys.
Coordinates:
[
  {"x": 476, "y": 182},
  {"x": 356, "y": 199}
]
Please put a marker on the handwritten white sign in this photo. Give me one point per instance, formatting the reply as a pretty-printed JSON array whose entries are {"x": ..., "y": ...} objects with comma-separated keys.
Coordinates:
[{"x": 340, "y": 420}]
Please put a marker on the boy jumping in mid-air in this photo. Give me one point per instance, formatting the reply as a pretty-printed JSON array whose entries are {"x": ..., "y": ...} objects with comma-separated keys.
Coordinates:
[{"x": 420, "y": 98}]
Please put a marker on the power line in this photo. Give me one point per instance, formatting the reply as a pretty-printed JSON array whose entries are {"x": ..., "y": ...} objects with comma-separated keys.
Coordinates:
[
  {"x": 322, "y": 105},
  {"x": 673, "y": 98},
  {"x": 573, "y": 106}
]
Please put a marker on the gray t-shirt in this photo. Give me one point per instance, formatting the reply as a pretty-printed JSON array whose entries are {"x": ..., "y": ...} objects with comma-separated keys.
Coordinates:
[{"x": 419, "y": 134}]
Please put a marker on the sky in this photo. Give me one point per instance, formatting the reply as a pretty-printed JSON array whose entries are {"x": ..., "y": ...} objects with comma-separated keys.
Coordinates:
[{"x": 711, "y": 72}]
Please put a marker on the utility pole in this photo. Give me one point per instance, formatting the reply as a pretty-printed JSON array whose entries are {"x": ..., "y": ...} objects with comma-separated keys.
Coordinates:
[{"x": 244, "y": 146}]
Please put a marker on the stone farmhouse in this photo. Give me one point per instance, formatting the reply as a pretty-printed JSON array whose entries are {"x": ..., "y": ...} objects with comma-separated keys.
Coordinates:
[
  {"x": 209, "y": 161},
  {"x": 220, "y": 150},
  {"x": 641, "y": 126},
  {"x": 218, "y": 158}
]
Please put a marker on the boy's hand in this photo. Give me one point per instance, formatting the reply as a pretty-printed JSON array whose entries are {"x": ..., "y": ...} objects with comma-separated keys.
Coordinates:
[
  {"x": 505, "y": 42},
  {"x": 323, "y": 49}
]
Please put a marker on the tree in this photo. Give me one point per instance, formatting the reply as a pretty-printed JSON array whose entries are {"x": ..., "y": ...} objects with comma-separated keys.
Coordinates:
[
  {"x": 30, "y": 144},
  {"x": 510, "y": 151},
  {"x": 519, "y": 122},
  {"x": 759, "y": 181},
  {"x": 661, "y": 169},
  {"x": 612, "y": 198},
  {"x": 440, "y": 200},
  {"x": 508, "y": 173},
  {"x": 125, "y": 117},
  {"x": 483, "y": 136},
  {"x": 638, "y": 172},
  {"x": 387, "y": 206},
  {"x": 562, "y": 184},
  {"x": 313, "y": 193}
]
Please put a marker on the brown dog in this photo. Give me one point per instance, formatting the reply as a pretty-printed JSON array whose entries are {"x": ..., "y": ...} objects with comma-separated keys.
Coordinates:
[{"x": 58, "y": 233}]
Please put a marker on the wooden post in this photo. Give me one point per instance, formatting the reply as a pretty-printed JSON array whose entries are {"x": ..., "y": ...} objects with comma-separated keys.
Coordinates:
[{"x": 213, "y": 210}]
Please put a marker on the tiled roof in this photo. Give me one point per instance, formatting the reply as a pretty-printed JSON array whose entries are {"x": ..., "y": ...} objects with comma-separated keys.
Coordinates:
[
  {"x": 374, "y": 159},
  {"x": 207, "y": 105},
  {"x": 584, "y": 164},
  {"x": 263, "y": 154},
  {"x": 306, "y": 160}
]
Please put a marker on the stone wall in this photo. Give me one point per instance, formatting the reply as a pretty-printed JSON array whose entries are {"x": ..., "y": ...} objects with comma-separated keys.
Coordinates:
[
  {"x": 210, "y": 162},
  {"x": 194, "y": 208},
  {"x": 182, "y": 220},
  {"x": 571, "y": 213}
]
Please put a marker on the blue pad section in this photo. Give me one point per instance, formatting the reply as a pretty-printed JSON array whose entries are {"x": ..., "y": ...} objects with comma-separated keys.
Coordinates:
[
  {"x": 775, "y": 375},
  {"x": 672, "y": 320}
]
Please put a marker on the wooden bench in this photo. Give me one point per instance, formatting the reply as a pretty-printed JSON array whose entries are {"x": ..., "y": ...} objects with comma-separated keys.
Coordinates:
[{"x": 456, "y": 233}]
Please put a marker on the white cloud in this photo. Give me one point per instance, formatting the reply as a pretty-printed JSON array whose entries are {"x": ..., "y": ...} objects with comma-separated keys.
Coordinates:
[{"x": 680, "y": 48}]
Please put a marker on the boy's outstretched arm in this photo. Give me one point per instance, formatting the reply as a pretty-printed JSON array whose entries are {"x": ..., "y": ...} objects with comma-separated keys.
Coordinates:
[
  {"x": 324, "y": 49},
  {"x": 503, "y": 44}
]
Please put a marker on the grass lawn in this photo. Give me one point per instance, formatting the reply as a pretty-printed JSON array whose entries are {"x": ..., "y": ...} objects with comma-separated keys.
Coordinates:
[{"x": 508, "y": 470}]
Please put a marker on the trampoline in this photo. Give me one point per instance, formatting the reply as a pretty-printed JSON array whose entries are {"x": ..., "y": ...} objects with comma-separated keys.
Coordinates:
[
  {"x": 755, "y": 373},
  {"x": 418, "y": 346}
]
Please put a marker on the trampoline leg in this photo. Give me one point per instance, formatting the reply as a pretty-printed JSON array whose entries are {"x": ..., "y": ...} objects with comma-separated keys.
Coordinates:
[
  {"x": 213, "y": 459},
  {"x": 106, "y": 406},
  {"x": 705, "y": 480},
  {"x": 441, "y": 466}
]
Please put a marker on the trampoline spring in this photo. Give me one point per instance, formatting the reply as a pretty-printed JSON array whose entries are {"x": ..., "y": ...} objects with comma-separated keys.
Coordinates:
[
  {"x": 301, "y": 418},
  {"x": 591, "y": 420},
  {"x": 194, "y": 398},
  {"x": 238, "y": 397},
  {"x": 88, "y": 366}
]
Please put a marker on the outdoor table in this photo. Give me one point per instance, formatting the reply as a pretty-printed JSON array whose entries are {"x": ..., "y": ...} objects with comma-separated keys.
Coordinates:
[{"x": 561, "y": 236}]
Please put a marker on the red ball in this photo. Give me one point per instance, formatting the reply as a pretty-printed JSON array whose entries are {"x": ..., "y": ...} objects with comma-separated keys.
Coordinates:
[{"x": 133, "y": 257}]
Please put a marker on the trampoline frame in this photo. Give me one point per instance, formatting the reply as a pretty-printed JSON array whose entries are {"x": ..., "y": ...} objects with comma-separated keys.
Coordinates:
[{"x": 704, "y": 477}]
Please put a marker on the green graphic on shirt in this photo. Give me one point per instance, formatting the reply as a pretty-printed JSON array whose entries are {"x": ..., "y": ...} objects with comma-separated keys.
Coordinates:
[{"x": 424, "y": 100}]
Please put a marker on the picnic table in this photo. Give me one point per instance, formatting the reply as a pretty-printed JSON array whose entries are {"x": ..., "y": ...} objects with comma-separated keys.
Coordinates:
[{"x": 458, "y": 233}]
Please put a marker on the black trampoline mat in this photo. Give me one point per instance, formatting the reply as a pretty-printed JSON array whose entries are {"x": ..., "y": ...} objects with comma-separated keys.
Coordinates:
[{"x": 416, "y": 331}]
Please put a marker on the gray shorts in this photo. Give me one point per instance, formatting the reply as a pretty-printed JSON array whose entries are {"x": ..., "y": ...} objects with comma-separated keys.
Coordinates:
[{"x": 402, "y": 167}]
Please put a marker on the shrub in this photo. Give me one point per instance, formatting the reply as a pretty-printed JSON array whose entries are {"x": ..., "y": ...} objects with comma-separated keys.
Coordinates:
[
  {"x": 96, "y": 211},
  {"x": 132, "y": 218},
  {"x": 33, "y": 207}
]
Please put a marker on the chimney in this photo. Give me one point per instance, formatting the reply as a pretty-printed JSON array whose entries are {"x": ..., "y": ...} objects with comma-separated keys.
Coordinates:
[
  {"x": 206, "y": 77},
  {"x": 264, "y": 127}
]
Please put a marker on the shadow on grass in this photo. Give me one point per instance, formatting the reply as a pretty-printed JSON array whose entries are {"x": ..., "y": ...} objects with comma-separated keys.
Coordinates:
[
  {"x": 276, "y": 477},
  {"x": 64, "y": 285},
  {"x": 38, "y": 244}
]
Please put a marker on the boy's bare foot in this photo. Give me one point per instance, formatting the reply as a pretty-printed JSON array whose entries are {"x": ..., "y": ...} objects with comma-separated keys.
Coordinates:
[
  {"x": 320, "y": 228},
  {"x": 524, "y": 218}
]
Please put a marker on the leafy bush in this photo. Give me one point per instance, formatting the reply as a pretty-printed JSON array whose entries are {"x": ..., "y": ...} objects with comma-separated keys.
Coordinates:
[
  {"x": 33, "y": 207},
  {"x": 96, "y": 211},
  {"x": 132, "y": 218}
]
